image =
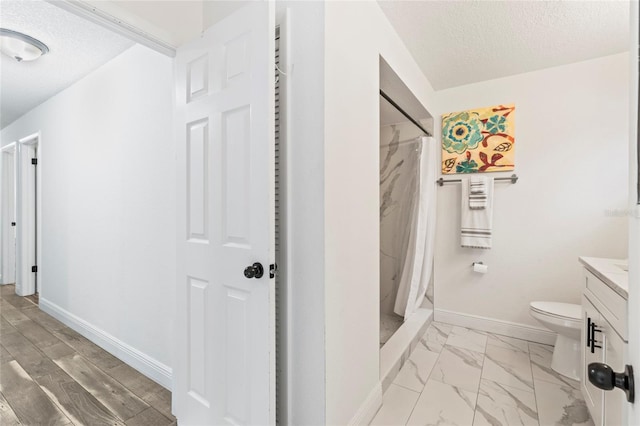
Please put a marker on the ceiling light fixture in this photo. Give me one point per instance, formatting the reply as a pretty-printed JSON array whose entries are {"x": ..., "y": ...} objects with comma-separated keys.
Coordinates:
[{"x": 20, "y": 46}]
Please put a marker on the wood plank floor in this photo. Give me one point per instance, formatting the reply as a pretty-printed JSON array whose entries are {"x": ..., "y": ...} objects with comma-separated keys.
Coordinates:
[{"x": 51, "y": 375}]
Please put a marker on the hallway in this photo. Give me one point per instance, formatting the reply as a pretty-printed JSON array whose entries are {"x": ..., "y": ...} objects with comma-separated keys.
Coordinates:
[{"x": 49, "y": 374}]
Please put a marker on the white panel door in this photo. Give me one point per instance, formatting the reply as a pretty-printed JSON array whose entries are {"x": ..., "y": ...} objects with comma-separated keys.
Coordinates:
[
  {"x": 8, "y": 213},
  {"x": 26, "y": 228},
  {"x": 633, "y": 320},
  {"x": 225, "y": 361}
]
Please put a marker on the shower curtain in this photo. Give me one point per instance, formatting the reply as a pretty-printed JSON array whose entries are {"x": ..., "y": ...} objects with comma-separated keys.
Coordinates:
[{"x": 418, "y": 265}]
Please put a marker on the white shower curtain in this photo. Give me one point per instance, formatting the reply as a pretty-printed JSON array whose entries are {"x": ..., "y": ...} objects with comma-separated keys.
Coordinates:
[{"x": 418, "y": 266}]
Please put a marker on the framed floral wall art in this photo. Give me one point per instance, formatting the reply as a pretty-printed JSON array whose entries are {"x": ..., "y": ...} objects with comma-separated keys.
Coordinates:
[{"x": 478, "y": 140}]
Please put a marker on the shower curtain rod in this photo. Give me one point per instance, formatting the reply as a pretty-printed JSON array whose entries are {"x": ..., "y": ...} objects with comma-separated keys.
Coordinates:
[{"x": 403, "y": 112}]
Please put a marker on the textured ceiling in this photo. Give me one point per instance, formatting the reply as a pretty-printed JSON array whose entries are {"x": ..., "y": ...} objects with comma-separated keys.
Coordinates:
[
  {"x": 454, "y": 42},
  {"x": 77, "y": 47},
  {"x": 461, "y": 42}
]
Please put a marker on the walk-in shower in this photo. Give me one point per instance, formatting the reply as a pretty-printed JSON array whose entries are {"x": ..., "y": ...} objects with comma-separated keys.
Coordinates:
[{"x": 408, "y": 171}]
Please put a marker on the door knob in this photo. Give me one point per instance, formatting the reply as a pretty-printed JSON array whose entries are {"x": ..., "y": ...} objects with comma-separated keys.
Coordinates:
[
  {"x": 254, "y": 271},
  {"x": 603, "y": 377}
]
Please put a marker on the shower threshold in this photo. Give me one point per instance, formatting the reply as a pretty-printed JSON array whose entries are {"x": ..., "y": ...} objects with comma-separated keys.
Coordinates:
[
  {"x": 389, "y": 324},
  {"x": 398, "y": 348}
]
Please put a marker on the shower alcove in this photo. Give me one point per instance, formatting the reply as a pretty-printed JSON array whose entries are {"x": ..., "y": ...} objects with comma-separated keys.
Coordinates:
[{"x": 402, "y": 183}]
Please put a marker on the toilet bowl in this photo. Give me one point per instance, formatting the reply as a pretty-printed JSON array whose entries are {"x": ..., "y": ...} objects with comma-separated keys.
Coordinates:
[{"x": 566, "y": 320}]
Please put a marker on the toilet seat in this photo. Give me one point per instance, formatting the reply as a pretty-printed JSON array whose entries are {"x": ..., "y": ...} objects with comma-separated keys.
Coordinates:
[{"x": 564, "y": 311}]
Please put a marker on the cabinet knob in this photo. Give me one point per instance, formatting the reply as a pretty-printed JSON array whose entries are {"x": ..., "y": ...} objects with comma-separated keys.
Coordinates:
[{"x": 602, "y": 376}]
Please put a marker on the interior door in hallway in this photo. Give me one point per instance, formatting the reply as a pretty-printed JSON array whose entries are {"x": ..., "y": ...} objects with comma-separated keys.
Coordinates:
[
  {"x": 27, "y": 213},
  {"x": 225, "y": 361},
  {"x": 8, "y": 213}
]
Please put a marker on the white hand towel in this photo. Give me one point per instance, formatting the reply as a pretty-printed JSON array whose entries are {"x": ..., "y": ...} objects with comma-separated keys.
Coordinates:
[
  {"x": 478, "y": 185},
  {"x": 477, "y": 192},
  {"x": 476, "y": 224}
]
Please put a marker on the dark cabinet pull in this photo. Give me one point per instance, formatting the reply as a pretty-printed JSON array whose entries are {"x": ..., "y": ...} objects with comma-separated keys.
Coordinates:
[
  {"x": 588, "y": 332},
  {"x": 594, "y": 330}
]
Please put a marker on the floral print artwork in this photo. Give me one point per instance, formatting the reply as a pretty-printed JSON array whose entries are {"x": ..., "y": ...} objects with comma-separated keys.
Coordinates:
[{"x": 478, "y": 140}]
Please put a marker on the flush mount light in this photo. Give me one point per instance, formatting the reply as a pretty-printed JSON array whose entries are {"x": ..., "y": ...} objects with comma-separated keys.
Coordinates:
[{"x": 20, "y": 46}]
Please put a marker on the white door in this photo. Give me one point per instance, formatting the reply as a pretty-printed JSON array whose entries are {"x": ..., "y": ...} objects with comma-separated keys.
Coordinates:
[
  {"x": 26, "y": 229},
  {"x": 633, "y": 356},
  {"x": 8, "y": 213},
  {"x": 225, "y": 361}
]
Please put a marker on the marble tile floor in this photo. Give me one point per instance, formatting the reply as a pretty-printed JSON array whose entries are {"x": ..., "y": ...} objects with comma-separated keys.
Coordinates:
[
  {"x": 49, "y": 374},
  {"x": 459, "y": 376}
]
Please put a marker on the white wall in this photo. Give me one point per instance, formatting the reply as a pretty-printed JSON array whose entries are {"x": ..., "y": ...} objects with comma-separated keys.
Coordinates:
[
  {"x": 571, "y": 157},
  {"x": 108, "y": 200},
  {"x": 302, "y": 144},
  {"x": 173, "y": 22},
  {"x": 356, "y": 34}
]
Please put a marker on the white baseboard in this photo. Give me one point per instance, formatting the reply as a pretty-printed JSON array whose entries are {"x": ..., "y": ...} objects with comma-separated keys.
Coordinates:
[
  {"x": 492, "y": 325},
  {"x": 145, "y": 364},
  {"x": 369, "y": 408}
]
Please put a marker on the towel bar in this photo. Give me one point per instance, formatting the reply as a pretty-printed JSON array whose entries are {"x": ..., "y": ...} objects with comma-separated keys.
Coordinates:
[{"x": 513, "y": 178}]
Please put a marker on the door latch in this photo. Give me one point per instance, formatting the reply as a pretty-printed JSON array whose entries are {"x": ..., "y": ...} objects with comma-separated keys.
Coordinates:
[{"x": 273, "y": 270}]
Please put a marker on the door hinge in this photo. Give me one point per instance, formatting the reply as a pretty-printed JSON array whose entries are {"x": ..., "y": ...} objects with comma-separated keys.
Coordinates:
[
  {"x": 34, "y": 161},
  {"x": 34, "y": 268}
]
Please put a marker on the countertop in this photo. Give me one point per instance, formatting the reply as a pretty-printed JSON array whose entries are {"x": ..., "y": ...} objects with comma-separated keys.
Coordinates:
[{"x": 613, "y": 272}]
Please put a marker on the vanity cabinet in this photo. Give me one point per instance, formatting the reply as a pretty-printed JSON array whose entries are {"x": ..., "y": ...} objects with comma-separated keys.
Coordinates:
[
  {"x": 604, "y": 339},
  {"x": 593, "y": 397},
  {"x": 615, "y": 401}
]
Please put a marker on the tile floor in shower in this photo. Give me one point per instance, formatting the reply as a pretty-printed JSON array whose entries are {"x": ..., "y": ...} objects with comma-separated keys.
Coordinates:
[
  {"x": 458, "y": 376},
  {"x": 389, "y": 324}
]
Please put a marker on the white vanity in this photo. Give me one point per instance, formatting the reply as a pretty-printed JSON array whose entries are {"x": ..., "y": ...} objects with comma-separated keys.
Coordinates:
[{"x": 604, "y": 334}]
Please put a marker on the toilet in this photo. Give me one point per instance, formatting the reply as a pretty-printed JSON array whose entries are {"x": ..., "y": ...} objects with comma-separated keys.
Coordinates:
[{"x": 566, "y": 320}]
